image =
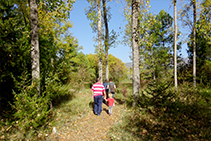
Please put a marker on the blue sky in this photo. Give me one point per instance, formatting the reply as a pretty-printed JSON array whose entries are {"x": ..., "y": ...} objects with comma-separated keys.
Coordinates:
[{"x": 83, "y": 32}]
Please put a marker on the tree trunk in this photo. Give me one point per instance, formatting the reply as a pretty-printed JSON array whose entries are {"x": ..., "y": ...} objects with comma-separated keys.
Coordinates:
[
  {"x": 175, "y": 44},
  {"x": 194, "y": 43},
  {"x": 135, "y": 50},
  {"x": 35, "y": 53},
  {"x": 106, "y": 38},
  {"x": 99, "y": 40}
]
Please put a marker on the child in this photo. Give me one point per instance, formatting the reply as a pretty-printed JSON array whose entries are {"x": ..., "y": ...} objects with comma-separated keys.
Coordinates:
[{"x": 110, "y": 103}]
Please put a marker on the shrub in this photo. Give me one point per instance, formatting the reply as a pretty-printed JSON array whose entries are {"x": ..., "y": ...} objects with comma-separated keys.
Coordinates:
[
  {"x": 157, "y": 93},
  {"x": 31, "y": 110}
]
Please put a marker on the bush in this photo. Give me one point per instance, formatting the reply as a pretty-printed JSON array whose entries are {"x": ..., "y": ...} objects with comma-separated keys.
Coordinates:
[
  {"x": 157, "y": 94},
  {"x": 31, "y": 110}
]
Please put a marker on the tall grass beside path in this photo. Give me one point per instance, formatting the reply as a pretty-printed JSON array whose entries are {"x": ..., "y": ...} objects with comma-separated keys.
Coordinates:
[{"x": 69, "y": 111}]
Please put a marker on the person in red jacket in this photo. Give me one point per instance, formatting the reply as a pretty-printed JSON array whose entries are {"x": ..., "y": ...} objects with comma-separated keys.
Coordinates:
[{"x": 110, "y": 103}]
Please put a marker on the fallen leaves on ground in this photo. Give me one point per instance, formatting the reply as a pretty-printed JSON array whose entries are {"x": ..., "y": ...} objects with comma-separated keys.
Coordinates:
[{"x": 90, "y": 126}]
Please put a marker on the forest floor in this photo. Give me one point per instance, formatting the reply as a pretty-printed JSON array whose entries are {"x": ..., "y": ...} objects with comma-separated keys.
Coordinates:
[{"x": 89, "y": 127}]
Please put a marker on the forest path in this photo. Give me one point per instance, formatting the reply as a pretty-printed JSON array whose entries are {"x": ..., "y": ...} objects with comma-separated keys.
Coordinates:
[{"x": 90, "y": 126}]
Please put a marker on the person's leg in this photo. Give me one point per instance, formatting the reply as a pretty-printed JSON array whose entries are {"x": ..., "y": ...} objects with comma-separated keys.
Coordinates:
[
  {"x": 106, "y": 93},
  {"x": 95, "y": 105},
  {"x": 111, "y": 109},
  {"x": 100, "y": 102}
]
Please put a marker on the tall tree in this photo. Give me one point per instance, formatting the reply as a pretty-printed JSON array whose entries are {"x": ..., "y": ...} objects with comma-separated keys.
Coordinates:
[
  {"x": 99, "y": 28},
  {"x": 194, "y": 43},
  {"x": 175, "y": 44},
  {"x": 186, "y": 14},
  {"x": 94, "y": 15},
  {"x": 135, "y": 49},
  {"x": 160, "y": 38},
  {"x": 203, "y": 38},
  {"x": 106, "y": 38},
  {"x": 35, "y": 53}
]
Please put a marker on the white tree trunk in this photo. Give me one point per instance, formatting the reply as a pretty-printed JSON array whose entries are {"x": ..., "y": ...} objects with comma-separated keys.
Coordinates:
[
  {"x": 35, "y": 53},
  {"x": 106, "y": 38},
  {"x": 107, "y": 68},
  {"x": 135, "y": 50},
  {"x": 175, "y": 44},
  {"x": 194, "y": 43},
  {"x": 99, "y": 39}
]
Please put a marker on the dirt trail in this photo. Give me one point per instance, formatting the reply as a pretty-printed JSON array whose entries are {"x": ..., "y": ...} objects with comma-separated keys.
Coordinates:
[{"x": 90, "y": 127}]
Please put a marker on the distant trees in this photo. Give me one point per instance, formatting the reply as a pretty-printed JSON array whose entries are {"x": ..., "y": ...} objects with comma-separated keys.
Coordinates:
[
  {"x": 202, "y": 42},
  {"x": 197, "y": 45},
  {"x": 155, "y": 41},
  {"x": 116, "y": 67},
  {"x": 93, "y": 13}
]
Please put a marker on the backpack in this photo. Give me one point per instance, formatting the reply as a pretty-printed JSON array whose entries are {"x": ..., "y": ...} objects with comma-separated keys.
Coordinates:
[{"x": 111, "y": 87}]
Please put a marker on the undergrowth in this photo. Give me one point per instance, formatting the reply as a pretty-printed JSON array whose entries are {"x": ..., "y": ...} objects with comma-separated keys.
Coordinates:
[
  {"x": 163, "y": 114},
  {"x": 80, "y": 105}
]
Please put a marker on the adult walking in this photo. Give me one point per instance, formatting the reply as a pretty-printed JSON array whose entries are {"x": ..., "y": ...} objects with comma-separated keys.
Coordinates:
[
  {"x": 98, "y": 91},
  {"x": 105, "y": 84},
  {"x": 111, "y": 86}
]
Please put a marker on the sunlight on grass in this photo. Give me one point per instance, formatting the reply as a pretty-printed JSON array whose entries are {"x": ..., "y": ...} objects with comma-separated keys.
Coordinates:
[
  {"x": 186, "y": 117},
  {"x": 78, "y": 106}
]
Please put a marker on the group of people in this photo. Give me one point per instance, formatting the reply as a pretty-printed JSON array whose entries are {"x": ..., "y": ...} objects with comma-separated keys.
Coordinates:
[{"x": 104, "y": 91}]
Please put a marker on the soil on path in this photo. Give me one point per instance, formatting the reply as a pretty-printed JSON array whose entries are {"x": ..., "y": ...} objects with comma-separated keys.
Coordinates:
[{"x": 90, "y": 126}]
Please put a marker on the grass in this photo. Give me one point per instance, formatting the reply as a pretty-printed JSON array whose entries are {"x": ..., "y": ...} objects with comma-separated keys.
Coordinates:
[
  {"x": 78, "y": 106},
  {"x": 67, "y": 108},
  {"x": 186, "y": 118}
]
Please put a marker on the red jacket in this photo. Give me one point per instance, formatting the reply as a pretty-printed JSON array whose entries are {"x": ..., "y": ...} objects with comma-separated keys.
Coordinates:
[{"x": 110, "y": 101}]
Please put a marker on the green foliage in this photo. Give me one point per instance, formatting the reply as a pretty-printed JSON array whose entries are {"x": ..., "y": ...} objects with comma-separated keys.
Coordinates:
[
  {"x": 117, "y": 69},
  {"x": 91, "y": 14},
  {"x": 55, "y": 41},
  {"x": 203, "y": 51},
  {"x": 184, "y": 116},
  {"x": 14, "y": 49},
  {"x": 59, "y": 92},
  {"x": 157, "y": 93},
  {"x": 203, "y": 28},
  {"x": 156, "y": 44},
  {"x": 31, "y": 111}
]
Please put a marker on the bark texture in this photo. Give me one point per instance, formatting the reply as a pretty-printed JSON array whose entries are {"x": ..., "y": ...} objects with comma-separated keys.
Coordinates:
[
  {"x": 35, "y": 53},
  {"x": 135, "y": 49},
  {"x": 175, "y": 44},
  {"x": 99, "y": 39},
  {"x": 106, "y": 38},
  {"x": 194, "y": 43}
]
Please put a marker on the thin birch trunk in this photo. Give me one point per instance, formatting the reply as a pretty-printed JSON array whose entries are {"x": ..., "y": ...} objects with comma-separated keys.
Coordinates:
[
  {"x": 135, "y": 50},
  {"x": 194, "y": 43},
  {"x": 175, "y": 44},
  {"x": 106, "y": 39},
  {"x": 35, "y": 53},
  {"x": 99, "y": 40}
]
